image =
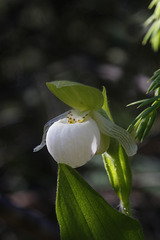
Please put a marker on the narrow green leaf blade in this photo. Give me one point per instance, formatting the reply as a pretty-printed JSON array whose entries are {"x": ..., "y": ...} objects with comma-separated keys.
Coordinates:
[
  {"x": 144, "y": 102},
  {"x": 148, "y": 110},
  {"x": 155, "y": 74},
  {"x": 152, "y": 4},
  {"x": 155, "y": 84},
  {"x": 148, "y": 101},
  {"x": 118, "y": 169},
  {"x": 77, "y": 95},
  {"x": 83, "y": 214},
  {"x": 105, "y": 104},
  {"x": 149, "y": 124},
  {"x": 141, "y": 128},
  {"x": 137, "y": 102}
]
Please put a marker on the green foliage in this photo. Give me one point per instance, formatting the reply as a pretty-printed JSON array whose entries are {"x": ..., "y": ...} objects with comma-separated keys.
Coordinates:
[
  {"x": 118, "y": 169},
  {"x": 117, "y": 165},
  {"x": 83, "y": 214},
  {"x": 153, "y": 32},
  {"x": 144, "y": 121},
  {"x": 156, "y": 81},
  {"x": 77, "y": 95},
  {"x": 105, "y": 104}
]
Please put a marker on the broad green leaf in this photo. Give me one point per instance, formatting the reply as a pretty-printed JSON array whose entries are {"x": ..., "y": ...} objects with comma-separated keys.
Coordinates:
[
  {"x": 83, "y": 214},
  {"x": 118, "y": 169},
  {"x": 77, "y": 95}
]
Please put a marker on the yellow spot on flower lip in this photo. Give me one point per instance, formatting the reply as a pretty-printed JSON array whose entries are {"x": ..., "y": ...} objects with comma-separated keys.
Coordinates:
[{"x": 75, "y": 116}]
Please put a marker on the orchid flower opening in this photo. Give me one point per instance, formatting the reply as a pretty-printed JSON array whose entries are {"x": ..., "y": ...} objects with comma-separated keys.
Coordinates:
[{"x": 75, "y": 136}]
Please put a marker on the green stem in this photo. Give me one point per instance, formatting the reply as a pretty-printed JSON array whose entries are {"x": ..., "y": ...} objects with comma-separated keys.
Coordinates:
[{"x": 117, "y": 165}]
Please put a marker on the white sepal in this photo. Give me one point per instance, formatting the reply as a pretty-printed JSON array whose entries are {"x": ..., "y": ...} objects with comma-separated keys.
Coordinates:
[
  {"x": 112, "y": 130},
  {"x": 73, "y": 144},
  {"x": 45, "y": 129}
]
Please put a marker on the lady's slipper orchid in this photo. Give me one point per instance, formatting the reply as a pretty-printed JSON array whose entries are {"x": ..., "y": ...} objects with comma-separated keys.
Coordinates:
[
  {"x": 76, "y": 136},
  {"x": 73, "y": 140}
]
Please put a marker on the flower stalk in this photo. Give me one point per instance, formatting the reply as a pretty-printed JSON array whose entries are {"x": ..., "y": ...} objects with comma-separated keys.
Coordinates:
[{"x": 116, "y": 163}]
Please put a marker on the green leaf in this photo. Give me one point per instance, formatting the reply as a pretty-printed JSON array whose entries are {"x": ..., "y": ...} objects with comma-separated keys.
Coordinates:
[
  {"x": 118, "y": 169},
  {"x": 83, "y": 214},
  {"x": 150, "y": 122},
  {"x": 144, "y": 125},
  {"x": 141, "y": 128},
  {"x": 149, "y": 20},
  {"x": 156, "y": 73},
  {"x": 157, "y": 92},
  {"x": 153, "y": 3},
  {"x": 155, "y": 84},
  {"x": 143, "y": 115},
  {"x": 147, "y": 111},
  {"x": 117, "y": 166},
  {"x": 105, "y": 104},
  {"x": 149, "y": 33},
  {"x": 144, "y": 102},
  {"x": 143, "y": 122},
  {"x": 77, "y": 95}
]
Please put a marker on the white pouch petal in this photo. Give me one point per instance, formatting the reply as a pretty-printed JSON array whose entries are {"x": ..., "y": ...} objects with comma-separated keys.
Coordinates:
[{"x": 73, "y": 144}]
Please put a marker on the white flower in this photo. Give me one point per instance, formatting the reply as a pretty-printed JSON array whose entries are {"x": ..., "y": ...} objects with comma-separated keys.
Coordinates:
[
  {"x": 73, "y": 144},
  {"x": 74, "y": 137}
]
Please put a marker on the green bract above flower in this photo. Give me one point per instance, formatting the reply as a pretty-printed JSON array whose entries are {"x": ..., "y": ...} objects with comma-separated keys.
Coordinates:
[
  {"x": 76, "y": 136},
  {"x": 77, "y": 95}
]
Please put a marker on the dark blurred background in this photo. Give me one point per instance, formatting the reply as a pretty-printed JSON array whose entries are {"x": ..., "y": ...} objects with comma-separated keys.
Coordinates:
[{"x": 94, "y": 42}]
